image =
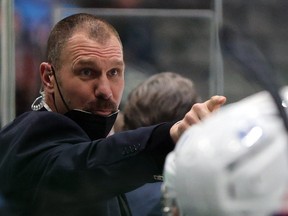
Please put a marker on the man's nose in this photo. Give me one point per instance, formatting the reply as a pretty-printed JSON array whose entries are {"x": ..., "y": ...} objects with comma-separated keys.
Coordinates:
[{"x": 103, "y": 88}]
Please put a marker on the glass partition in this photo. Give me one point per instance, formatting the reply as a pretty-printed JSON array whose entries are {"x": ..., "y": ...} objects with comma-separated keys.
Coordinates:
[
  {"x": 7, "y": 72},
  {"x": 178, "y": 36}
]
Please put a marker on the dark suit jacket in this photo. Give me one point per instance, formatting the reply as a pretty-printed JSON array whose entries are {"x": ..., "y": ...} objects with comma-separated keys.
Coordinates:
[{"x": 49, "y": 166}]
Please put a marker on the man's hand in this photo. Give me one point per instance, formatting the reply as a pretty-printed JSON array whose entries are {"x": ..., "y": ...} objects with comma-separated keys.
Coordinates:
[{"x": 198, "y": 112}]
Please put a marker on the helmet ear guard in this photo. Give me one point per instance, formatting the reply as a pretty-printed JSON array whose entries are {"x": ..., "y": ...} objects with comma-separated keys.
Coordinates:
[{"x": 235, "y": 163}]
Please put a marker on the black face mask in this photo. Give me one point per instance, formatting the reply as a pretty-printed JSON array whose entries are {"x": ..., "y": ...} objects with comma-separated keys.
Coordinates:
[{"x": 95, "y": 126}]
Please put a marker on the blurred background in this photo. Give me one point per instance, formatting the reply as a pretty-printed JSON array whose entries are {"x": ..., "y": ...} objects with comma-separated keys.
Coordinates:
[{"x": 179, "y": 36}]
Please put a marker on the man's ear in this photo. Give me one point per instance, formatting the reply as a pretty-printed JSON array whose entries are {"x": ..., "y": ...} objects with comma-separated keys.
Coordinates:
[{"x": 47, "y": 77}]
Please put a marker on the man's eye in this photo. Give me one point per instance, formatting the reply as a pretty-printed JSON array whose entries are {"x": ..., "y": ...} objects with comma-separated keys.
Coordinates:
[
  {"x": 86, "y": 72},
  {"x": 113, "y": 72}
]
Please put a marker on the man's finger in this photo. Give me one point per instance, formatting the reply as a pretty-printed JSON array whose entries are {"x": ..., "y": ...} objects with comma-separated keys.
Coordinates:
[{"x": 215, "y": 102}]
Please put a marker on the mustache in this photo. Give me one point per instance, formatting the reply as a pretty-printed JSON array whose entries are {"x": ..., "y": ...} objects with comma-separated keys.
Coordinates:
[{"x": 101, "y": 104}]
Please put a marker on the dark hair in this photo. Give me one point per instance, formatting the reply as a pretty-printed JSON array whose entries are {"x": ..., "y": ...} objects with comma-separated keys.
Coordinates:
[
  {"x": 163, "y": 97},
  {"x": 96, "y": 29}
]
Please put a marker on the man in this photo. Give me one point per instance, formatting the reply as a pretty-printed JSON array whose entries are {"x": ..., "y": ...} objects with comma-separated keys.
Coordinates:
[{"x": 56, "y": 160}]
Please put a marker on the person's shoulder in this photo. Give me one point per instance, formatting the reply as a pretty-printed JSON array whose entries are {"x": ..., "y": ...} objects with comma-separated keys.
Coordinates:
[
  {"x": 34, "y": 116},
  {"x": 34, "y": 125},
  {"x": 38, "y": 119}
]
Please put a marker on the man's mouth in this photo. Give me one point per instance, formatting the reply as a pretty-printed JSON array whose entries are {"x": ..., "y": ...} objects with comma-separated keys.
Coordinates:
[{"x": 101, "y": 108}]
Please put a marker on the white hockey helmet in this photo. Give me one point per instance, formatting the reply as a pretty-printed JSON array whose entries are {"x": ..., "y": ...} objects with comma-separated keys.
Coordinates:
[{"x": 234, "y": 163}]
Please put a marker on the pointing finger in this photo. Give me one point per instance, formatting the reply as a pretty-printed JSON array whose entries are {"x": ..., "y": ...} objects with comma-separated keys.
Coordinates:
[{"x": 215, "y": 102}]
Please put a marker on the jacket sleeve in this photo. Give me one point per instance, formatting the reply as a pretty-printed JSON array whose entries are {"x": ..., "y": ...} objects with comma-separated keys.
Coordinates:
[{"x": 65, "y": 159}]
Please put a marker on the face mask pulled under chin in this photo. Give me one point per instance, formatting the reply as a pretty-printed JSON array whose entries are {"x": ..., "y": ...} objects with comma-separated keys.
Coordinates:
[{"x": 95, "y": 126}]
